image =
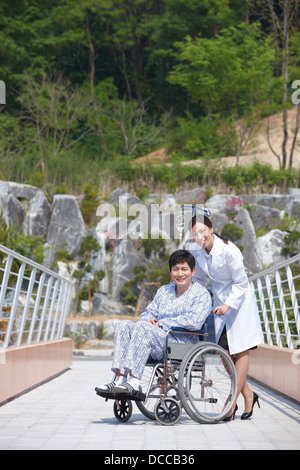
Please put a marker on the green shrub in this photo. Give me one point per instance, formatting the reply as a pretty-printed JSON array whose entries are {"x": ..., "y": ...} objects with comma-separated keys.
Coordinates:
[{"x": 232, "y": 232}]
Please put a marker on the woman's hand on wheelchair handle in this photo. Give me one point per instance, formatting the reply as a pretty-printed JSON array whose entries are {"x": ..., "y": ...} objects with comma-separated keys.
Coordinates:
[{"x": 221, "y": 310}]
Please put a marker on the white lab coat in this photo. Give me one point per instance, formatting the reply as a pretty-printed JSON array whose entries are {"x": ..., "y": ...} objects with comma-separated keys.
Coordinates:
[{"x": 224, "y": 266}]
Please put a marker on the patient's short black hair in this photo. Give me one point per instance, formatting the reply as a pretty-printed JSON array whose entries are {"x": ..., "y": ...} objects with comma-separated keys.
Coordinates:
[{"x": 180, "y": 256}]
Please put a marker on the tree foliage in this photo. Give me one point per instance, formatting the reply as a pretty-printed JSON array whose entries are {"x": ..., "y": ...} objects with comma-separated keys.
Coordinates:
[{"x": 91, "y": 82}]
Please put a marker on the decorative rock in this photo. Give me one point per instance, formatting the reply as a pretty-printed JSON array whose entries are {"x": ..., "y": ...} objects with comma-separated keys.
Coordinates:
[
  {"x": 118, "y": 193},
  {"x": 278, "y": 201},
  {"x": 264, "y": 217},
  {"x": 109, "y": 328},
  {"x": 113, "y": 228},
  {"x": 194, "y": 196},
  {"x": 269, "y": 247},
  {"x": 219, "y": 219},
  {"x": 125, "y": 258},
  {"x": 10, "y": 206},
  {"x": 248, "y": 241},
  {"x": 295, "y": 192},
  {"x": 98, "y": 260},
  {"x": 22, "y": 191},
  {"x": 293, "y": 208},
  {"x": 219, "y": 202},
  {"x": 67, "y": 228},
  {"x": 104, "y": 305},
  {"x": 38, "y": 216}
]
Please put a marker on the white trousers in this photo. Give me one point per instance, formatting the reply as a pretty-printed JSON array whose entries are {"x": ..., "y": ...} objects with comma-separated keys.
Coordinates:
[{"x": 134, "y": 343}]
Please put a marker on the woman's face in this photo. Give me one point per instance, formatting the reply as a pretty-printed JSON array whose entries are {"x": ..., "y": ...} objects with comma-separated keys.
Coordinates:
[{"x": 203, "y": 235}]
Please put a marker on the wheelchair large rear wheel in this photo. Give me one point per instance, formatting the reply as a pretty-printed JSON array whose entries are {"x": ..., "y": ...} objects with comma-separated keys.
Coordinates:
[{"x": 207, "y": 383}]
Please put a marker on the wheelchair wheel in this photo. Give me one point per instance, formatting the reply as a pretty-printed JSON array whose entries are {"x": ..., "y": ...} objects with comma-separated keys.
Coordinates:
[
  {"x": 147, "y": 407},
  {"x": 167, "y": 411},
  {"x": 207, "y": 383},
  {"x": 123, "y": 410},
  {"x": 153, "y": 377}
]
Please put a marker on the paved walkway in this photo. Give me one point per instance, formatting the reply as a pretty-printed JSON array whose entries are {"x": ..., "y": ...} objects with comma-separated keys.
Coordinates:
[{"x": 65, "y": 413}]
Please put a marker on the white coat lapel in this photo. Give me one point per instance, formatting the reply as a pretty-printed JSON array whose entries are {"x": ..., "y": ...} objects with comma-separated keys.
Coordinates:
[
  {"x": 216, "y": 258},
  {"x": 200, "y": 257}
]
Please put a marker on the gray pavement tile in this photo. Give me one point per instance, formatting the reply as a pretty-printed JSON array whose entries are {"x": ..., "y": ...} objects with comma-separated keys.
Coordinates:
[{"x": 65, "y": 413}]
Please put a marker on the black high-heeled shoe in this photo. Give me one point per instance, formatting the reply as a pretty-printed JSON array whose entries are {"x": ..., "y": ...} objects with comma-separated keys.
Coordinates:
[
  {"x": 232, "y": 416},
  {"x": 255, "y": 400}
]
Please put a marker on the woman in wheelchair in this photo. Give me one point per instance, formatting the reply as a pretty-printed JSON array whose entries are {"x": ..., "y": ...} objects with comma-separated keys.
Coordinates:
[{"x": 182, "y": 303}]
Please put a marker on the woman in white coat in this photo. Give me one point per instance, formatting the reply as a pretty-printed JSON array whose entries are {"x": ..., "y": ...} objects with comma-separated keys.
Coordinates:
[{"x": 237, "y": 325}]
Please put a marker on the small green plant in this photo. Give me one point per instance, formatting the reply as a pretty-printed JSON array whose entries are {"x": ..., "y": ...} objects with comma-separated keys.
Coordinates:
[
  {"x": 88, "y": 245},
  {"x": 291, "y": 241},
  {"x": 79, "y": 338},
  {"x": 89, "y": 204},
  {"x": 130, "y": 290},
  {"x": 155, "y": 246},
  {"x": 101, "y": 331},
  {"x": 232, "y": 232}
]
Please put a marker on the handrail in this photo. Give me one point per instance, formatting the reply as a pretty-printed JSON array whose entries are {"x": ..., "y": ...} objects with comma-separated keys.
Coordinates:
[
  {"x": 277, "y": 291},
  {"x": 6, "y": 250},
  {"x": 275, "y": 267},
  {"x": 34, "y": 301}
]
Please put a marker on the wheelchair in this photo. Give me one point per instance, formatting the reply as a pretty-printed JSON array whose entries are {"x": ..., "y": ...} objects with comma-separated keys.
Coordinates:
[{"x": 198, "y": 377}]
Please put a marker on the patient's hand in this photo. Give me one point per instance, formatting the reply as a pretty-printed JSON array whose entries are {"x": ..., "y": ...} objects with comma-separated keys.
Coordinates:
[{"x": 153, "y": 321}]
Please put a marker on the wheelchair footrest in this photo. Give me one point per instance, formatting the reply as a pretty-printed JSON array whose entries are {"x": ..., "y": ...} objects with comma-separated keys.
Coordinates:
[{"x": 135, "y": 396}]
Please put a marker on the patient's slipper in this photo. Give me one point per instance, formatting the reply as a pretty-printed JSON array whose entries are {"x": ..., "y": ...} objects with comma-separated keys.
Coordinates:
[
  {"x": 125, "y": 388},
  {"x": 128, "y": 391},
  {"x": 107, "y": 389}
]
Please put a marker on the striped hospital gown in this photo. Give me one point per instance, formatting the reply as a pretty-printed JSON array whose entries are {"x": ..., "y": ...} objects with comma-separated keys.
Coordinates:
[{"x": 134, "y": 343}]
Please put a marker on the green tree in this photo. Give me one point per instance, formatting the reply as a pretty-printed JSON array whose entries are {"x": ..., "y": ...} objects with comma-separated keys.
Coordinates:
[
  {"x": 230, "y": 77},
  {"x": 281, "y": 22}
]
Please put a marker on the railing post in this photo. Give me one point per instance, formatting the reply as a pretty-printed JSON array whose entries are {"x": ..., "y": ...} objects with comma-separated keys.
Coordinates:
[
  {"x": 15, "y": 304},
  {"x": 283, "y": 310},
  {"x": 5, "y": 280},
  {"x": 289, "y": 275},
  {"x": 28, "y": 298},
  {"x": 64, "y": 312},
  {"x": 58, "y": 307},
  {"x": 36, "y": 307},
  {"x": 273, "y": 310},
  {"x": 51, "y": 309},
  {"x": 50, "y": 281},
  {"x": 264, "y": 311}
]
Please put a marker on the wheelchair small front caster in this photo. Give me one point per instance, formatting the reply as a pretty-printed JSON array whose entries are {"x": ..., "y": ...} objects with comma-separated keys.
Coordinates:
[
  {"x": 123, "y": 410},
  {"x": 167, "y": 411}
]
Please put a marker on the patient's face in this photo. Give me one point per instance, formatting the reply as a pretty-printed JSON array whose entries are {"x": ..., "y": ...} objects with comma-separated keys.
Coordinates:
[{"x": 182, "y": 274}]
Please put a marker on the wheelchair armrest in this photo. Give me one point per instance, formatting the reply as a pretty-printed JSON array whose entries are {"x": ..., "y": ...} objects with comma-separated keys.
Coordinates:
[{"x": 178, "y": 329}]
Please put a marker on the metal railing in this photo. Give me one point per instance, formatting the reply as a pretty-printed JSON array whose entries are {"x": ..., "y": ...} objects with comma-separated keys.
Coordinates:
[
  {"x": 277, "y": 291},
  {"x": 34, "y": 301}
]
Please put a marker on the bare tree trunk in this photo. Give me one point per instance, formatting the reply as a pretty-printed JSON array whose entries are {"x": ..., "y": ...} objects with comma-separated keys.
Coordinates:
[
  {"x": 285, "y": 74},
  {"x": 282, "y": 21},
  {"x": 91, "y": 52},
  {"x": 295, "y": 136},
  {"x": 269, "y": 143}
]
